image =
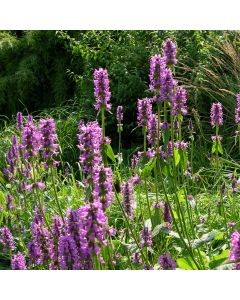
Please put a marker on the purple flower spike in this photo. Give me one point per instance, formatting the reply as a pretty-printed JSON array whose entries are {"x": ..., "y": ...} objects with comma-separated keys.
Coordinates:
[
  {"x": 102, "y": 185},
  {"x": 6, "y": 239},
  {"x": 101, "y": 89},
  {"x": 144, "y": 111},
  {"x": 179, "y": 106},
  {"x": 128, "y": 198},
  {"x": 166, "y": 214},
  {"x": 166, "y": 262},
  {"x": 157, "y": 74},
  {"x": 18, "y": 262},
  {"x": 216, "y": 114},
  {"x": 68, "y": 253},
  {"x": 170, "y": 51},
  {"x": 153, "y": 129},
  {"x": 146, "y": 238},
  {"x": 237, "y": 110},
  {"x": 19, "y": 120},
  {"x": 31, "y": 139},
  {"x": 9, "y": 205},
  {"x": 49, "y": 146},
  {"x": 234, "y": 253},
  {"x": 90, "y": 140},
  {"x": 119, "y": 114}
]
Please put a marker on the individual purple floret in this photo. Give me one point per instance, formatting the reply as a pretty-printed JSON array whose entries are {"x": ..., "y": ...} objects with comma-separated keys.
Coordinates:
[
  {"x": 49, "y": 146},
  {"x": 90, "y": 140},
  {"x": 6, "y": 239},
  {"x": 68, "y": 253},
  {"x": 31, "y": 139},
  {"x": 170, "y": 52},
  {"x": 166, "y": 262},
  {"x": 101, "y": 89},
  {"x": 146, "y": 237},
  {"x": 128, "y": 198},
  {"x": 119, "y": 114},
  {"x": 144, "y": 111},
  {"x": 135, "y": 159},
  {"x": 234, "y": 253},
  {"x": 152, "y": 125},
  {"x": 9, "y": 205},
  {"x": 216, "y": 114},
  {"x": 102, "y": 185},
  {"x": 237, "y": 110},
  {"x": 179, "y": 106},
  {"x": 151, "y": 153},
  {"x": 166, "y": 213},
  {"x": 135, "y": 179},
  {"x": 18, "y": 262},
  {"x": 137, "y": 258},
  {"x": 19, "y": 120}
]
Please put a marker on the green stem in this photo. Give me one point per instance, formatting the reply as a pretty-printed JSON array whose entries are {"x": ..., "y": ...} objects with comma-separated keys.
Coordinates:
[
  {"x": 55, "y": 194},
  {"x": 103, "y": 121},
  {"x": 129, "y": 227}
]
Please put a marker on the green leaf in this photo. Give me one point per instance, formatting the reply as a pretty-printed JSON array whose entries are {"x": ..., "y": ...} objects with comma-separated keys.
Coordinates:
[
  {"x": 205, "y": 239},
  {"x": 176, "y": 156},
  {"x": 219, "y": 146},
  {"x": 186, "y": 263},
  {"x": 146, "y": 171},
  {"x": 218, "y": 260},
  {"x": 214, "y": 147},
  {"x": 110, "y": 153}
]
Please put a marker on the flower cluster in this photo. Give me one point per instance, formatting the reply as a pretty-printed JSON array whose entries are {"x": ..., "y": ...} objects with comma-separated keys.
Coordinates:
[
  {"x": 12, "y": 159},
  {"x": 152, "y": 125},
  {"x": 18, "y": 262},
  {"x": 234, "y": 253},
  {"x": 216, "y": 114},
  {"x": 6, "y": 239},
  {"x": 9, "y": 205},
  {"x": 128, "y": 198},
  {"x": 170, "y": 51},
  {"x": 31, "y": 139},
  {"x": 146, "y": 238},
  {"x": 237, "y": 109},
  {"x": 166, "y": 262},
  {"x": 101, "y": 89},
  {"x": 144, "y": 111},
  {"x": 179, "y": 102},
  {"x": 181, "y": 145},
  {"x": 19, "y": 120},
  {"x": 90, "y": 140},
  {"x": 216, "y": 138},
  {"x": 49, "y": 146},
  {"x": 166, "y": 213},
  {"x": 119, "y": 114},
  {"x": 157, "y": 74},
  {"x": 102, "y": 185}
]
